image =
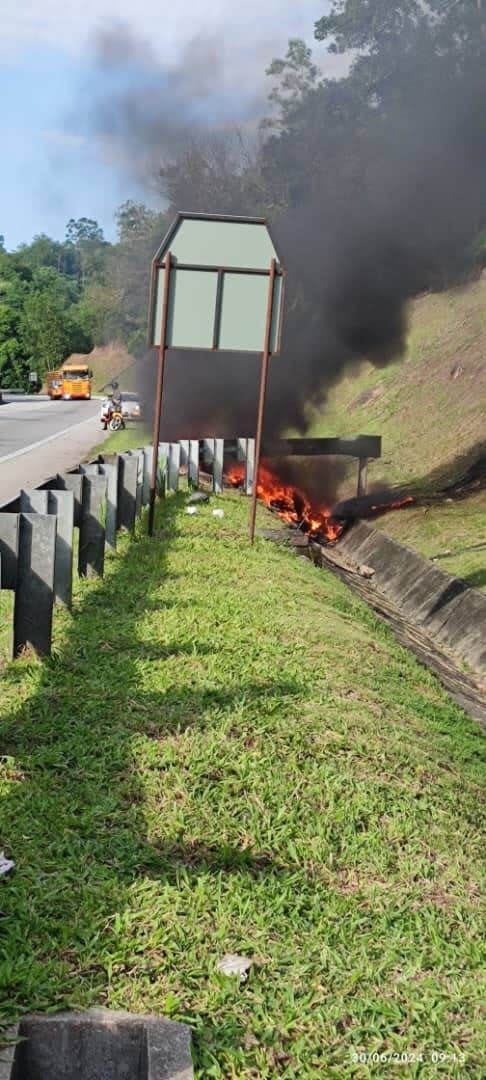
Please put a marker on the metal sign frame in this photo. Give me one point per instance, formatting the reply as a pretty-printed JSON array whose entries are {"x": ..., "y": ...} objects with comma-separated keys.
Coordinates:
[{"x": 161, "y": 311}]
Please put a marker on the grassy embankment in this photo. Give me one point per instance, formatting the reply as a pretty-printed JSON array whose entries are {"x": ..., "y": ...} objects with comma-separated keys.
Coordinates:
[
  {"x": 179, "y": 782},
  {"x": 430, "y": 408}
]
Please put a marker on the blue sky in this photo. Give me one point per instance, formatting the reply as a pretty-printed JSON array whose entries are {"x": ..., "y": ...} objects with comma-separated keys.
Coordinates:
[{"x": 54, "y": 165}]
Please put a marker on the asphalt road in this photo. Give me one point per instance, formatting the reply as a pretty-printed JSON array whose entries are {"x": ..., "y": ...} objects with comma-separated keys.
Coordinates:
[
  {"x": 39, "y": 438},
  {"x": 27, "y": 421}
]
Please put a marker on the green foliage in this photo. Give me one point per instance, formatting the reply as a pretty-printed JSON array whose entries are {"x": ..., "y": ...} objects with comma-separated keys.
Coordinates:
[
  {"x": 296, "y": 75},
  {"x": 41, "y": 318}
]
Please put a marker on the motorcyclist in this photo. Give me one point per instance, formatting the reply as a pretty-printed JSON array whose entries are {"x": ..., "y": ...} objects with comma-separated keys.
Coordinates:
[
  {"x": 111, "y": 404},
  {"x": 116, "y": 398}
]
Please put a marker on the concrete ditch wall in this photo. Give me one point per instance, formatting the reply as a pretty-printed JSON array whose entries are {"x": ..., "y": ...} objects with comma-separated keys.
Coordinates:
[{"x": 445, "y": 607}]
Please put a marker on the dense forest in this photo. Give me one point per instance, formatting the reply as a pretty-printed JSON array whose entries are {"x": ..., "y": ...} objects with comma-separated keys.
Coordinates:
[{"x": 375, "y": 181}]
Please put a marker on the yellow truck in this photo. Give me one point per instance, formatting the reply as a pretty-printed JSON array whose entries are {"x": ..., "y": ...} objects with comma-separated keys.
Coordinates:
[{"x": 71, "y": 382}]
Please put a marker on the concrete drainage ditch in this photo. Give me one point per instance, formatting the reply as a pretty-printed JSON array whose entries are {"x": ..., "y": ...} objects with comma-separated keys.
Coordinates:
[{"x": 440, "y": 618}]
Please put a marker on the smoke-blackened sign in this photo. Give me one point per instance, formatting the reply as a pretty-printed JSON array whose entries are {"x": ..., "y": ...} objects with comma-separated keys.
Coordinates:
[{"x": 218, "y": 287}]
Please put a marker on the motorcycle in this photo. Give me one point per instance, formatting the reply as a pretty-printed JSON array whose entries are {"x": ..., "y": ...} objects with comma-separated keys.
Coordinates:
[{"x": 112, "y": 416}]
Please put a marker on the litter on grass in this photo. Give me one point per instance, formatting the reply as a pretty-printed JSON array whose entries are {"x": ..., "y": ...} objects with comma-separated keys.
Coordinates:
[
  {"x": 218, "y": 513},
  {"x": 192, "y": 510},
  {"x": 232, "y": 964},
  {"x": 5, "y": 864}
]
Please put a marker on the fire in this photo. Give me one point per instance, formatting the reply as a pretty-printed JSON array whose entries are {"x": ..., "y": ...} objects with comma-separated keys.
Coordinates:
[
  {"x": 396, "y": 505},
  {"x": 291, "y": 504}
]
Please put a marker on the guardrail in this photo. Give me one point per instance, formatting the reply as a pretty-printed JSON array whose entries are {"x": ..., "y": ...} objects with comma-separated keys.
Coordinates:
[
  {"x": 98, "y": 500},
  {"x": 101, "y": 498}
]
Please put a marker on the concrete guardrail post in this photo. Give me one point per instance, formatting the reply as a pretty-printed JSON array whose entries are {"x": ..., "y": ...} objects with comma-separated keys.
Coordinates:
[
  {"x": 174, "y": 466},
  {"x": 34, "y": 502},
  {"x": 34, "y": 593},
  {"x": 110, "y": 472},
  {"x": 127, "y": 491},
  {"x": 193, "y": 464},
  {"x": 91, "y": 559},
  {"x": 61, "y": 505},
  {"x": 163, "y": 468},
  {"x": 9, "y": 549},
  {"x": 140, "y": 467},
  {"x": 73, "y": 482},
  {"x": 184, "y": 445},
  {"x": 250, "y": 466},
  {"x": 147, "y": 473},
  {"x": 218, "y": 466}
]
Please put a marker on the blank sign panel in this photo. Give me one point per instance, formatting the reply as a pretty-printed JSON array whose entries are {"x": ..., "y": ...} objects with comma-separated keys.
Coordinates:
[
  {"x": 243, "y": 312},
  {"x": 192, "y": 305}
]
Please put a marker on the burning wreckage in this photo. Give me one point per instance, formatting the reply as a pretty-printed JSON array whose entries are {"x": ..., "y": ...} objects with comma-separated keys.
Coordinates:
[{"x": 323, "y": 521}]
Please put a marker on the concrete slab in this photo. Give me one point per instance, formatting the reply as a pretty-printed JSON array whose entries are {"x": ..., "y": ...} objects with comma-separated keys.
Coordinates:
[
  {"x": 465, "y": 628},
  {"x": 101, "y": 1045},
  {"x": 445, "y": 607}
]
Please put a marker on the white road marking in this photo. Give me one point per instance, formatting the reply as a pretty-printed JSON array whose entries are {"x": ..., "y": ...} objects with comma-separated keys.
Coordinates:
[{"x": 50, "y": 438}]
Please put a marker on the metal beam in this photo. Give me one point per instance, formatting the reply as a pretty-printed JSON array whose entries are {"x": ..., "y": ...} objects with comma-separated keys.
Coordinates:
[{"x": 364, "y": 446}]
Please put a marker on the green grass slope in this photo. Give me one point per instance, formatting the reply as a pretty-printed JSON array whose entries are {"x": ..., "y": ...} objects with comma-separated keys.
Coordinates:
[
  {"x": 429, "y": 405},
  {"x": 178, "y": 783}
]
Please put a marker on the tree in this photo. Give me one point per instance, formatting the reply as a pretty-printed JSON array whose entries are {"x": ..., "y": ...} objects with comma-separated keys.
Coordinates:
[
  {"x": 296, "y": 76},
  {"x": 84, "y": 237},
  {"x": 49, "y": 329},
  {"x": 134, "y": 219},
  {"x": 42, "y": 252},
  {"x": 214, "y": 172}
]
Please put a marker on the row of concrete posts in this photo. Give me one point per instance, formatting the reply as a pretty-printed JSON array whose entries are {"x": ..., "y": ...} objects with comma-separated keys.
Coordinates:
[{"x": 37, "y": 531}]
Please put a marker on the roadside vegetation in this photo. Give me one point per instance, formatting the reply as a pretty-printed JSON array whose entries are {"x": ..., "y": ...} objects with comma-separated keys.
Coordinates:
[
  {"x": 132, "y": 438},
  {"x": 178, "y": 783}
]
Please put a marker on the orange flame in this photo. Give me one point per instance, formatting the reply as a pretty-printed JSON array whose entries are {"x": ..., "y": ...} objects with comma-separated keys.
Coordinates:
[
  {"x": 396, "y": 505},
  {"x": 291, "y": 504}
]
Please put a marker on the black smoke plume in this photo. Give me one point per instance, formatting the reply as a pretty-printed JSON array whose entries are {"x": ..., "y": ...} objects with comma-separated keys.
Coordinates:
[{"x": 382, "y": 201}]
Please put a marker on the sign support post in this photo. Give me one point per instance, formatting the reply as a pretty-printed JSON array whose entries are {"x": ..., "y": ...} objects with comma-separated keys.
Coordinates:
[
  {"x": 262, "y": 396},
  {"x": 158, "y": 394}
]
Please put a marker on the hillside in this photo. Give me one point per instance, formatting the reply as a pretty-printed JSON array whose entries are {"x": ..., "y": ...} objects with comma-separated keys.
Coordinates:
[
  {"x": 430, "y": 404},
  {"x": 108, "y": 362},
  {"x": 430, "y": 408}
]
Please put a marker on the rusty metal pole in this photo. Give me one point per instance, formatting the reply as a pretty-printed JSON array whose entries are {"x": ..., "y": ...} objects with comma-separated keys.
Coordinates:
[
  {"x": 158, "y": 394},
  {"x": 262, "y": 396}
]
